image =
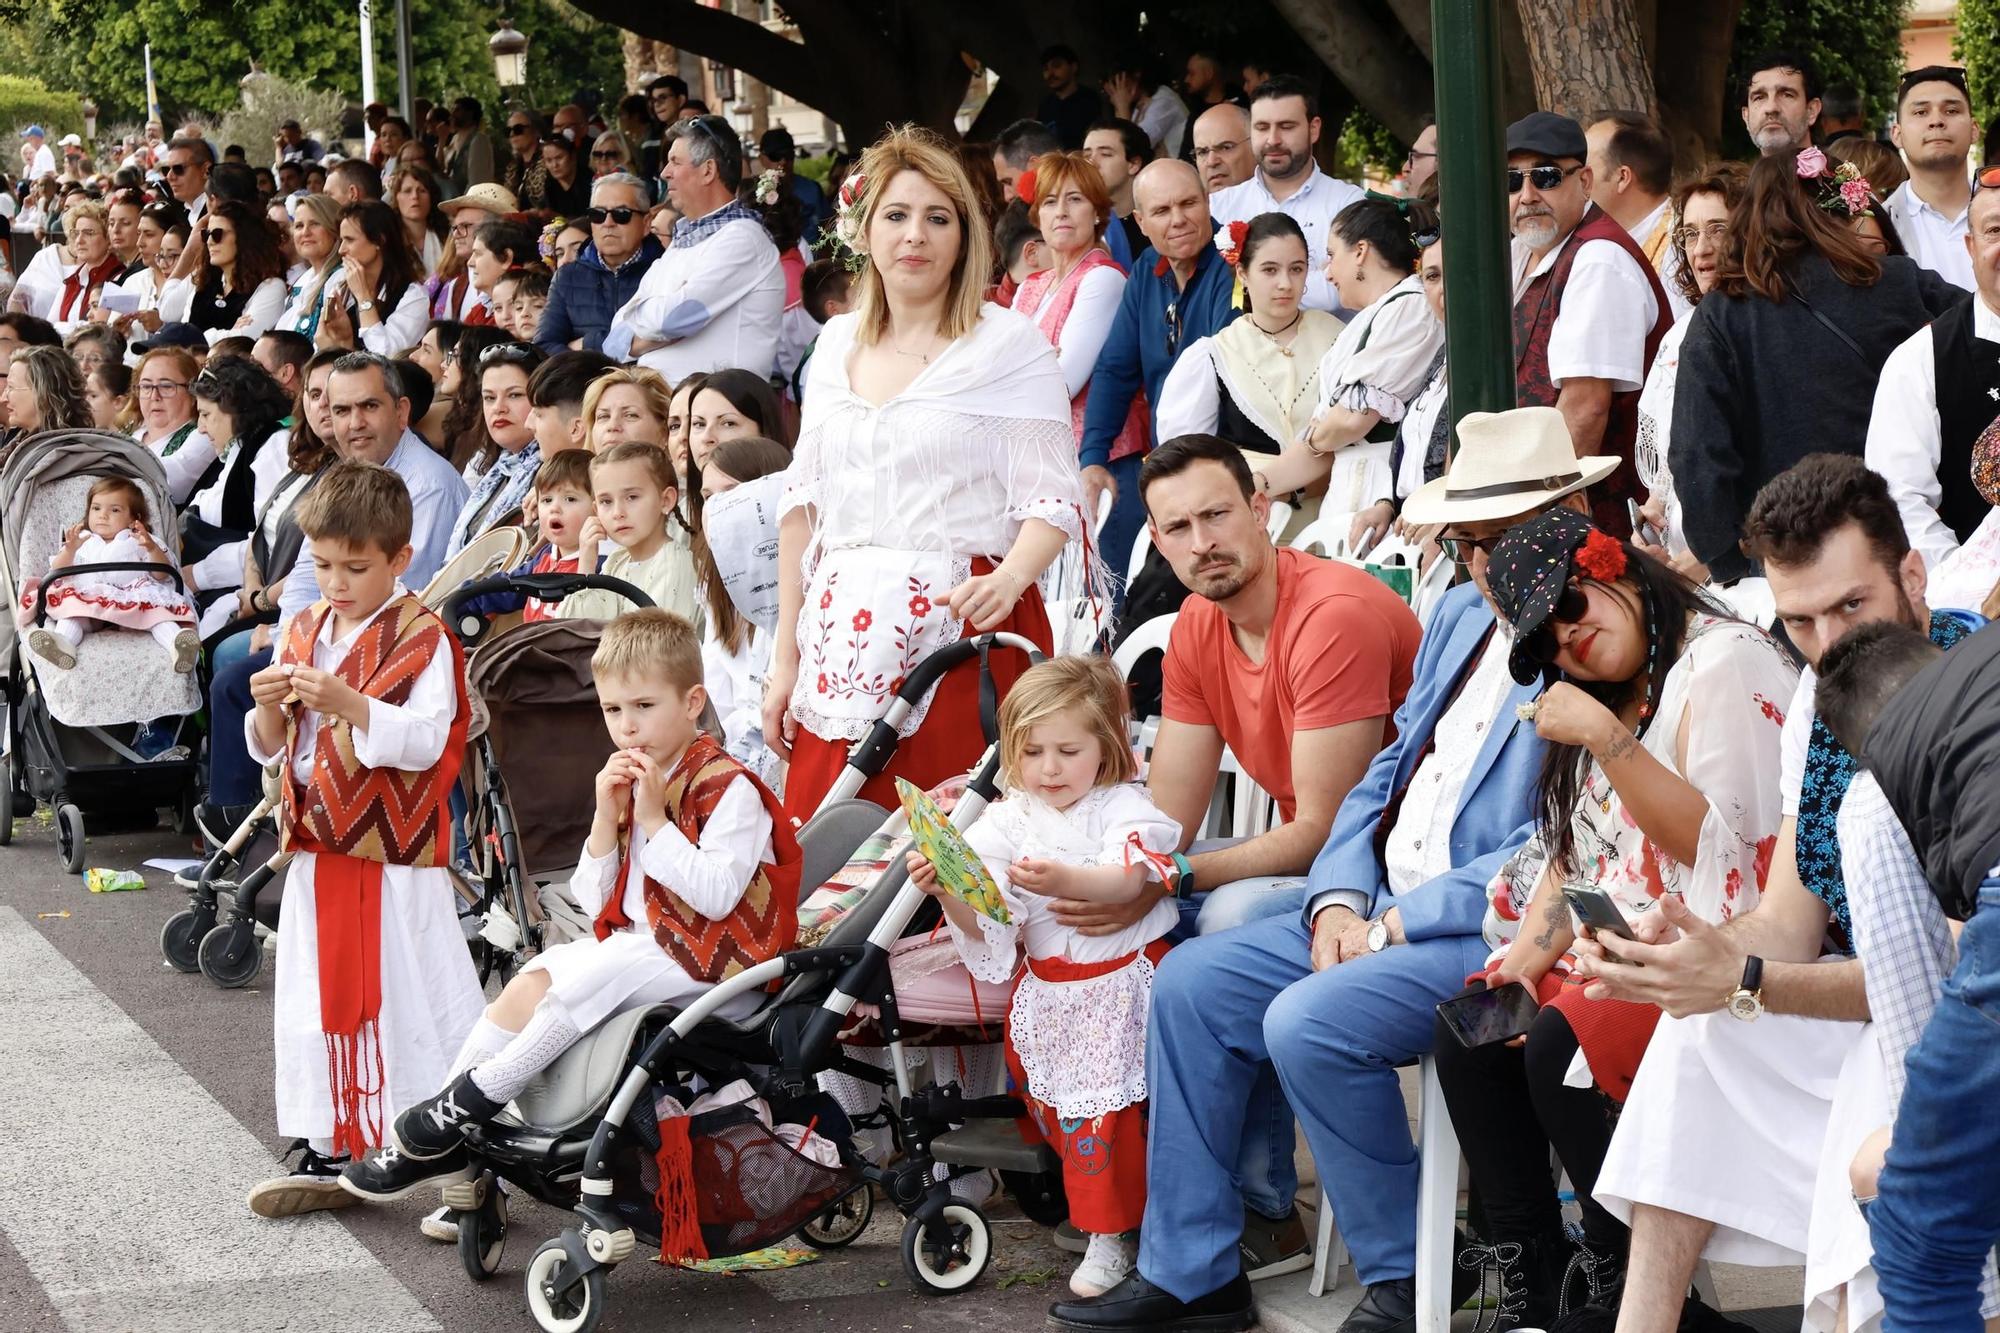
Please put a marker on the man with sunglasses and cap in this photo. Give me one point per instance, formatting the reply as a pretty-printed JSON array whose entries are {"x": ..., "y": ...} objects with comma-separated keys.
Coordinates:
[
  {"x": 1589, "y": 310},
  {"x": 1935, "y": 130},
  {"x": 1328, "y": 1001},
  {"x": 586, "y": 294},
  {"x": 716, "y": 298}
]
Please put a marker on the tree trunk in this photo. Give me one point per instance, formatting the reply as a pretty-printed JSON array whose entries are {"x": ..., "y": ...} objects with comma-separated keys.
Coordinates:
[
  {"x": 1691, "y": 72},
  {"x": 1587, "y": 56},
  {"x": 1378, "y": 63},
  {"x": 646, "y": 59}
]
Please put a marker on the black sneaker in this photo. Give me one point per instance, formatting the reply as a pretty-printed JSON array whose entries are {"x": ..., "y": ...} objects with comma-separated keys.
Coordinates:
[
  {"x": 431, "y": 1129},
  {"x": 389, "y": 1175},
  {"x": 218, "y": 823},
  {"x": 1386, "y": 1307},
  {"x": 313, "y": 1184}
]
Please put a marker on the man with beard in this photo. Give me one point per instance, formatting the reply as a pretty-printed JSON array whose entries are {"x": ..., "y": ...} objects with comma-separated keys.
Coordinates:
[
  {"x": 1781, "y": 102},
  {"x": 1327, "y": 1000},
  {"x": 1760, "y": 1012},
  {"x": 1588, "y": 308},
  {"x": 1935, "y": 130},
  {"x": 1284, "y": 127}
]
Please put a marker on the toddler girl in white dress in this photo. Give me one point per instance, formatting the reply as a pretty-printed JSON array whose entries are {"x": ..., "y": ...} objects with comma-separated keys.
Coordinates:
[{"x": 114, "y": 530}]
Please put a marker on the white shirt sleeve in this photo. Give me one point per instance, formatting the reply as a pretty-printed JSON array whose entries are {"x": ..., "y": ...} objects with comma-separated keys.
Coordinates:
[
  {"x": 1905, "y": 442},
  {"x": 411, "y": 736},
  {"x": 1089, "y": 323},
  {"x": 402, "y": 327},
  {"x": 185, "y": 465},
  {"x": 1795, "y": 741},
  {"x": 1607, "y": 311},
  {"x": 993, "y": 955},
  {"x": 260, "y": 312},
  {"x": 176, "y": 299},
  {"x": 590, "y": 883},
  {"x": 711, "y": 876},
  {"x": 1190, "y": 398},
  {"x": 1129, "y": 814}
]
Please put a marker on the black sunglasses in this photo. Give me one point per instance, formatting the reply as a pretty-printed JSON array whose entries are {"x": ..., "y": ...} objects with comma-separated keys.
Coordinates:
[
  {"x": 1570, "y": 607},
  {"x": 1544, "y": 177},
  {"x": 176, "y": 169},
  {"x": 606, "y": 155},
  {"x": 506, "y": 354},
  {"x": 516, "y": 131},
  {"x": 621, "y": 216},
  {"x": 214, "y": 234}
]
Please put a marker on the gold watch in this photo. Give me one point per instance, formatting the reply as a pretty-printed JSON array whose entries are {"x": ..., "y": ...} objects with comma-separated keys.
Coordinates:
[{"x": 1747, "y": 1000}]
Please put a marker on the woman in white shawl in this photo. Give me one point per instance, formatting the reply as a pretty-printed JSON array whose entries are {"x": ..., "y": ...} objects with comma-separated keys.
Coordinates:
[
  {"x": 1256, "y": 383},
  {"x": 1376, "y": 368},
  {"x": 935, "y": 481}
]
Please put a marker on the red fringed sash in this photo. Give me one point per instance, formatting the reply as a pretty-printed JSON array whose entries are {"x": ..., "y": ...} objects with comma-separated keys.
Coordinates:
[
  {"x": 348, "y": 893},
  {"x": 680, "y": 1220}
]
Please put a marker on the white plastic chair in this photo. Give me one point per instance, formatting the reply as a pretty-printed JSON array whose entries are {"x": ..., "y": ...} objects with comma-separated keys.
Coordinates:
[
  {"x": 1749, "y": 598},
  {"x": 1280, "y": 515},
  {"x": 1149, "y": 637},
  {"x": 1325, "y": 535}
]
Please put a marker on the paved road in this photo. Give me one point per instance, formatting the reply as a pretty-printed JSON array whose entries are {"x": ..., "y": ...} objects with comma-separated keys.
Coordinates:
[{"x": 136, "y": 1110}]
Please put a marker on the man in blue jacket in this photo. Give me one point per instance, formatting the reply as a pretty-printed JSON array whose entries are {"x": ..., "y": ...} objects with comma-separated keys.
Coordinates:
[
  {"x": 1180, "y": 290},
  {"x": 1333, "y": 999},
  {"x": 586, "y": 294}
]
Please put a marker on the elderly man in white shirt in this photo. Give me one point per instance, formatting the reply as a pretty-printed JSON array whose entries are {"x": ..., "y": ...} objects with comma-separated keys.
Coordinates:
[
  {"x": 716, "y": 299},
  {"x": 1938, "y": 390},
  {"x": 1935, "y": 129},
  {"x": 1284, "y": 126}
]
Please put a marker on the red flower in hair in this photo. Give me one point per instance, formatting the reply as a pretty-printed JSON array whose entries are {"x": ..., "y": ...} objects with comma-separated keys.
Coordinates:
[
  {"x": 1024, "y": 185},
  {"x": 1233, "y": 255},
  {"x": 1602, "y": 557}
]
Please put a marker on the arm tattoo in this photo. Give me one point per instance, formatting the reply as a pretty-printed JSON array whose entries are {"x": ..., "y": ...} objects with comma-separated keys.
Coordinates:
[
  {"x": 1555, "y": 918},
  {"x": 1619, "y": 748}
]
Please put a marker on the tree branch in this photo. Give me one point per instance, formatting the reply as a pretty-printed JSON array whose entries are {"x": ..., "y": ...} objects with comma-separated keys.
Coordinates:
[
  {"x": 1415, "y": 16},
  {"x": 719, "y": 35},
  {"x": 1374, "y": 61}
]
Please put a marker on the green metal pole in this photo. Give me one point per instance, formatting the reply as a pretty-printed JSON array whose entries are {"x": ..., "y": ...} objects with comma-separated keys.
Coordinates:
[{"x": 1478, "y": 269}]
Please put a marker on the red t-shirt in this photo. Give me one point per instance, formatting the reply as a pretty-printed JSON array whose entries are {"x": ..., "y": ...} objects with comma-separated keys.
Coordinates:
[
  {"x": 1341, "y": 649},
  {"x": 549, "y": 562}
]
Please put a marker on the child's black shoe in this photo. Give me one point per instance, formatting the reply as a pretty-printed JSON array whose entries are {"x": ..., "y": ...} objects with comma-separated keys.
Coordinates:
[
  {"x": 390, "y": 1175},
  {"x": 430, "y": 1129}
]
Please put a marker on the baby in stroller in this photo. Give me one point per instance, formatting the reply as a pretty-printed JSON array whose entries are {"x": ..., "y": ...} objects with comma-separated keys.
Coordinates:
[
  {"x": 690, "y": 870},
  {"x": 114, "y": 531},
  {"x": 1074, "y": 825}
]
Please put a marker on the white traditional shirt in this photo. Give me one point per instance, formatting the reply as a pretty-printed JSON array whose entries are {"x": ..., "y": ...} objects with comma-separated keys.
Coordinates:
[
  {"x": 1905, "y": 439},
  {"x": 904, "y": 495},
  {"x": 1380, "y": 362},
  {"x": 260, "y": 312},
  {"x": 1656, "y": 423},
  {"x": 1932, "y": 238},
  {"x": 1607, "y": 311},
  {"x": 1313, "y": 206},
  {"x": 717, "y": 298},
  {"x": 1275, "y": 387},
  {"x": 1418, "y": 848},
  {"x": 223, "y": 566}
]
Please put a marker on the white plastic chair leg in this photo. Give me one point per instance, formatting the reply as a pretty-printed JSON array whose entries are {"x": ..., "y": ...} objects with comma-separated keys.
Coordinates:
[
  {"x": 1437, "y": 1202},
  {"x": 1704, "y": 1285},
  {"x": 1329, "y": 1249}
]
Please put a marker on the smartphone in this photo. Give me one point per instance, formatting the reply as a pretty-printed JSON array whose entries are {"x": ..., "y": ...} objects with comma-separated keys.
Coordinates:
[
  {"x": 1486, "y": 1017},
  {"x": 1594, "y": 908},
  {"x": 1644, "y": 531}
]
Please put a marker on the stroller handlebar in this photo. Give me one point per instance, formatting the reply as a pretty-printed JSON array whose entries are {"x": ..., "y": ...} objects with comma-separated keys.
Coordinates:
[
  {"x": 931, "y": 670},
  {"x": 541, "y": 587},
  {"x": 126, "y": 566}
]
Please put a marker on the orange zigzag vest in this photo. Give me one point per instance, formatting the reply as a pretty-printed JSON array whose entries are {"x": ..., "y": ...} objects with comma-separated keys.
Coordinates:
[{"x": 765, "y": 922}]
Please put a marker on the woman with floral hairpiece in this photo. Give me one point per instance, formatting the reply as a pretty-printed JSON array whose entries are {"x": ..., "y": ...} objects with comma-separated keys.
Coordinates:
[
  {"x": 1662, "y": 717},
  {"x": 1373, "y": 371},
  {"x": 1782, "y": 355}
]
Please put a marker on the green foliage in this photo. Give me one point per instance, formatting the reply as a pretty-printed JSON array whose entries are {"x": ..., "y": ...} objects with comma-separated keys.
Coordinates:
[
  {"x": 816, "y": 169},
  {"x": 1857, "y": 42},
  {"x": 268, "y": 102},
  {"x": 25, "y": 102},
  {"x": 1366, "y": 149},
  {"x": 1978, "y": 46}
]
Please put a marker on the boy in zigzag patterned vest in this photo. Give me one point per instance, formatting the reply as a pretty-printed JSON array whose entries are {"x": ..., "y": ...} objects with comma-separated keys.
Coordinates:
[
  {"x": 364, "y": 706},
  {"x": 690, "y": 868}
]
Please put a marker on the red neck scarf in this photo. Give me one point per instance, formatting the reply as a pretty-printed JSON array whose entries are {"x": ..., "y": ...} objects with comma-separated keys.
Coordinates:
[{"x": 81, "y": 287}]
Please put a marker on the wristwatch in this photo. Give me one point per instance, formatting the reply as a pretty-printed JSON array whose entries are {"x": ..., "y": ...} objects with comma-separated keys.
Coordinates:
[
  {"x": 1378, "y": 935},
  {"x": 1747, "y": 1000},
  {"x": 364, "y": 305},
  {"x": 1183, "y": 877}
]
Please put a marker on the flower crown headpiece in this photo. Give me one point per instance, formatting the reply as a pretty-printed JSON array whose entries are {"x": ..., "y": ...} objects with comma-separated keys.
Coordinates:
[
  {"x": 768, "y": 185},
  {"x": 546, "y": 245},
  {"x": 840, "y": 235},
  {"x": 1842, "y": 189}
]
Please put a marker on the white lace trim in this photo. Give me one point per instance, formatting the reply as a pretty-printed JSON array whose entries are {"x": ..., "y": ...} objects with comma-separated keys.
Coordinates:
[
  {"x": 1369, "y": 398},
  {"x": 850, "y": 668},
  {"x": 1083, "y": 1043}
]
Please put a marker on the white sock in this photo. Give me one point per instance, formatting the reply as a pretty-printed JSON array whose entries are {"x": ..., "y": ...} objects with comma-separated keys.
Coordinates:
[
  {"x": 166, "y": 633},
  {"x": 549, "y": 1033},
  {"x": 486, "y": 1040},
  {"x": 70, "y": 631}
]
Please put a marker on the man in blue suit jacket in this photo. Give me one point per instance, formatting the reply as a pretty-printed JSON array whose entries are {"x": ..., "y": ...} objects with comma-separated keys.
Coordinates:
[{"x": 1335, "y": 998}]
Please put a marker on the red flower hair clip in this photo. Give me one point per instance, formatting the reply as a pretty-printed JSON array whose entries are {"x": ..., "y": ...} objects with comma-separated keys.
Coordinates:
[
  {"x": 1602, "y": 557},
  {"x": 1024, "y": 187},
  {"x": 1232, "y": 254}
]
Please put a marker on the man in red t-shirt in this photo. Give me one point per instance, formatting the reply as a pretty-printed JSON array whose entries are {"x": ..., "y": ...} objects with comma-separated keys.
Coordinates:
[{"x": 1296, "y": 664}]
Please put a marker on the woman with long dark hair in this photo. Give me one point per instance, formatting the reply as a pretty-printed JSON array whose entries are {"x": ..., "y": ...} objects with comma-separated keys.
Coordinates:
[
  {"x": 464, "y": 431},
  {"x": 501, "y": 471},
  {"x": 1781, "y": 357},
  {"x": 1661, "y": 777},
  {"x": 728, "y": 405},
  {"x": 380, "y": 304},
  {"x": 237, "y": 287},
  {"x": 736, "y": 655},
  {"x": 414, "y": 192}
]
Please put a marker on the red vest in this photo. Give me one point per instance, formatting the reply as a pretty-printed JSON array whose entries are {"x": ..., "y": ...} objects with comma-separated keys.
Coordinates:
[
  {"x": 1138, "y": 430},
  {"x": 1535, "y": 320},
  {"x": 765, "y": 921}
]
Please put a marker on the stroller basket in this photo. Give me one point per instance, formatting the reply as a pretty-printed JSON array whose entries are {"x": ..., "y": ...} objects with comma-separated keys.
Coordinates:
[{"x": 751, "y": 1188}]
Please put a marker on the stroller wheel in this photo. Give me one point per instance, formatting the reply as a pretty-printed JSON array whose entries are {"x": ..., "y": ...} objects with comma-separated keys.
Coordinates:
[
  {"x": 949, "y": 1254},
  {"x": 181, "y": 937},
  {"x": 231, "y": 955},
  {"x": 575, "y": 1308},
  {"x": 69, "y": 837},
  {"x": 482, "y": 1233},
  {"x": 842, "y": 1224},
  {"x": 183, "y": 816},
  {"x": 1040, "y": 1194}
]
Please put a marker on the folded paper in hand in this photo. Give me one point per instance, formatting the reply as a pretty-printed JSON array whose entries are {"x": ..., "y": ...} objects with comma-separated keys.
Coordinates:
[{"x": 960, "y": 872}]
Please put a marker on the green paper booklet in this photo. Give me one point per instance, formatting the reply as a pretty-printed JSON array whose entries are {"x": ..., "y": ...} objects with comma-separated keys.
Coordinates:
[{"x": 959, "y": 870}]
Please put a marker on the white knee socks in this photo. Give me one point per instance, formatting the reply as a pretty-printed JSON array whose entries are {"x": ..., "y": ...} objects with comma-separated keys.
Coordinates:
[
  {"x": 549, "y": 1033},
  {"x": 486, "y": 1040}
]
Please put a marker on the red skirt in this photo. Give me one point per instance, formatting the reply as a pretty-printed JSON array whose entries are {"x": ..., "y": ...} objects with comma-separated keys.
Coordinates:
[{"x": 947, "y": 744}]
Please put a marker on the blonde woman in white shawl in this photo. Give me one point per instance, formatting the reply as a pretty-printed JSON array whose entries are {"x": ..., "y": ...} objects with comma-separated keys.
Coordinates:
[
  {"x": 935, "y": 482},
  {"x": 316, "y": 238},
  {"x": 1256, "y": 383},
  {"x": 1375, "y": 369}
]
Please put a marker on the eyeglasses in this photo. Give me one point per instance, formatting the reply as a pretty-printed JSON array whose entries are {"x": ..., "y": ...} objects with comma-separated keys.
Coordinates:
[
  {"x": 1715, "y": 233},
  {"x": 1226, "y": 146},
  {"x": 516, "y": 131},
  {"x": 177, "y": 168},
  {"x": 621, "y": 216},
  {"x": 214, "y": 234},
  {"x": 1428, "y": 237},
  {"x": 1544, "y": 178},
  {"x": 606, "y": 155},
  {"x": 1412, "y": 156},
  {"x": 207, "y": 383},
  {"x": 1460, "y": 549},
  {"x": 160, "y": 388},
  {"x": 1571, "y": 606}
]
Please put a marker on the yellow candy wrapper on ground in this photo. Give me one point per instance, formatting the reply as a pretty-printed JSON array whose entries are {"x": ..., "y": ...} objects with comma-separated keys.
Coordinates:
[
  {"x": 959, "y": 870},
  {"x": 113, "y": 881}
]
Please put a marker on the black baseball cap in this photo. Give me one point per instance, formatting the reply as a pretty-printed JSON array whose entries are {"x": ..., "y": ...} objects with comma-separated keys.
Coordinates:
[
  {"x": 172, "y": 335},
  {"x": 1546, "y": 134},
  {"x": 777, "y": 144}
]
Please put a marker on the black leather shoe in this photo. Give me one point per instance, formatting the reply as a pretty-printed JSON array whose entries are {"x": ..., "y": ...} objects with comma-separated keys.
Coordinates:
[
  {"x": 1386, "y": 1307},
  {"x": 1137, "y": 1304}
]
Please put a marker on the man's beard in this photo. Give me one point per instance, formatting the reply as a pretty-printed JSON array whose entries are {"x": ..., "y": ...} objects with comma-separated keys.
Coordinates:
[
  {"x": 1220, "y": 579},
  {"x": 1944, "y": 157},
  {"x": 1773, "y": 137},
  {"x": 1293, "y": 165},
  {"x": 1537, "y": 231}
]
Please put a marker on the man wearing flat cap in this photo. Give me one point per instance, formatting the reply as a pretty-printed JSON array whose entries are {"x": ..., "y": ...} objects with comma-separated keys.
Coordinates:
[{"x": 1588, "y": 309}]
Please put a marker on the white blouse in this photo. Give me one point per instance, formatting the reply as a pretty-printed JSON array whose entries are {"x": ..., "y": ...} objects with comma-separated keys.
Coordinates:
[
  {"x": 1656, "y": 422},
  {"x": 260, "y": 312},
  {"x": 1379, "y": 364},
  {"x": 1098, "y": 296}
]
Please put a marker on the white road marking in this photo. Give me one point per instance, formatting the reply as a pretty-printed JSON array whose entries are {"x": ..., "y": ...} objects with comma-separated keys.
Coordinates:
[{"x": 122, "y": 1181}]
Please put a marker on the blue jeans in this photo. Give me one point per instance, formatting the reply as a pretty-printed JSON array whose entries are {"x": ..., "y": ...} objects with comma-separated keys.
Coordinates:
[
  {"x": 1230, "y": 1010},
  {"x": 1122, "y": 524},
  {"x": 1938, "y": 1210},
  {"x": 234, "y": 778},
  {"x": 232, "y": 650}
]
